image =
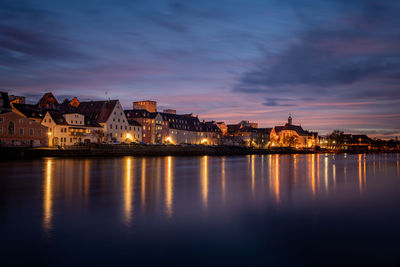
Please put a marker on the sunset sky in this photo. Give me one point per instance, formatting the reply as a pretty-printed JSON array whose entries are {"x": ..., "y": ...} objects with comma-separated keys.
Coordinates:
[{"x": 331, "y": 64}]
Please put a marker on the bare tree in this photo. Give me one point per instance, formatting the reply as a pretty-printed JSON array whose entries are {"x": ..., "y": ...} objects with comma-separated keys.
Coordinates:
[{"x": 99, "y": 135}]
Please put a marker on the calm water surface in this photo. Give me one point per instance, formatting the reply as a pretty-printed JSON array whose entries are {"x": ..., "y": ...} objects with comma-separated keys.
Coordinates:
[{"x": 321, "y": 210}]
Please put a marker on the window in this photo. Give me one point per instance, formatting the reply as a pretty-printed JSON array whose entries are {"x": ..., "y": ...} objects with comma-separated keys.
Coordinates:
[
  {"x": 119, "y": 120},
  {"x": 31, "y": 132},
  {"x": 11, "y": 128},
  {"x": 121, "y": 127},
  {"x": 110, "y": 126},
  {"x": 113, "y": 119},
  {"x": 21, "y": 131},
  {"x": 70, "y": 140},
  {"x": 39, "y": 132},
  {"x": 20, "y": 121},
  {"x": 1, "y": 130},
  {"x": 1, "y": 119},
  {"x": 126, "y": 127}
]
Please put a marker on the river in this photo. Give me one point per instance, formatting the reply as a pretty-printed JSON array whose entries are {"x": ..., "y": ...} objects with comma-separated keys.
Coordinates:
[{"x": 277, "y": 210}]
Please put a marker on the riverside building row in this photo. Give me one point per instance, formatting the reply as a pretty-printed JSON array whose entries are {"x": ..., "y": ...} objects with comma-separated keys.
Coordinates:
[{"x": 73, "y": 122}]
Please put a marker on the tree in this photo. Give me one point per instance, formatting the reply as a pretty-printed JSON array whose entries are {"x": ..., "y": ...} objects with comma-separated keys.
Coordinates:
[
  {"x": 99, "y": 135},
  {"x": 290, "y": 140},
  {"x": 336, "y": 139}
]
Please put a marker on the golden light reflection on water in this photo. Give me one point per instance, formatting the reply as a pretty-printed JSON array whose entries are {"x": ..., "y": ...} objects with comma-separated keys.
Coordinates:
[
  {"x": 277, "y": 178},
  {"x": 223, "y": 182},
  {"x": 318, "y": 177},
  {"x": 326, "y": 173},
  {"x": 313, "y": 175},
  {"x": 86, "y": 180},
  {"x": 204, "y": 180},
  {"x": 128, "y": 191},
  {"x": 143, "y": 184},
  {"x": 169, "y": 186},
  {"x": 48, "y": 197},
  {"x": 253, "y": 174},
  {"x": 360, "y": 182},
  {"x": 295, "y": 167},
  {"x": 365, "y": 172}
]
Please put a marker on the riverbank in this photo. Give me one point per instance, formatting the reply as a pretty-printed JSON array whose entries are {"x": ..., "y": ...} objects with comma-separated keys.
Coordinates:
[{"x": 150, "y": 150}]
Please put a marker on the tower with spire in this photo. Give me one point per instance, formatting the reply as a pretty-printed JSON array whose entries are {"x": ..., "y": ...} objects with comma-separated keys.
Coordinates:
[{"x": 290, "y": 119}]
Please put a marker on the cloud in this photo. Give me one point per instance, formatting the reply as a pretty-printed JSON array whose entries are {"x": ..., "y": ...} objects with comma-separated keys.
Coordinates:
[{"x": 340, "y": 60}]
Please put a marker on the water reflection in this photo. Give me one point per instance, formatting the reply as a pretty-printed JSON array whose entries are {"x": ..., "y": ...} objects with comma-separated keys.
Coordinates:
[
  {"x": 276, "y": 178},
  {"x": 326, "y": 173},
  {"x": 204, "y": 180},
  {"x": 150, "y": 184},
  {"x": 223, "y": 182},
  {"x": 253, "y": 174},
  {"x": 360, "y": 181},
  {"x": 169, "y": 186},
  {"x": 143, "y": 184},
  {"x": 48, "y": 196},
  {"x": 128, "y": 192}
]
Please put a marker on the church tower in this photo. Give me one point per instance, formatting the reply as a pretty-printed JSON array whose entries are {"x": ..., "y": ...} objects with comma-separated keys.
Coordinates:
[{"x": 290, "y": 120}]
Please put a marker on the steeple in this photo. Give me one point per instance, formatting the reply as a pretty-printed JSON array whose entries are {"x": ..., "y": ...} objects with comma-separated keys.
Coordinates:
[{"x": 290, "y": 119}]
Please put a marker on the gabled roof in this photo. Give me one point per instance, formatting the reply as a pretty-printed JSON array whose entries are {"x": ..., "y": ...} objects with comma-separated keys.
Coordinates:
[
  {"x": 140, "y": 113},
  {"x": 182, "y": 122},
  {"x": 134, "y": 123},
  {"x": 297, "y": 128},
  {"x": 210, "y": 127},
  {"x": 96, "y": 111},
  {"x": 264, "y": 130},
  {"x": 58, "y": 118},
  {"x": 29, "y": 111},
  {"x": 290, "y": 127},
  {"x": 48, "y": 100}
]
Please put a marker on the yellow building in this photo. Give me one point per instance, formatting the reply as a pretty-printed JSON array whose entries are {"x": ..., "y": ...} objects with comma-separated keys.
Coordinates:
[{"x": 291, "y": 135}]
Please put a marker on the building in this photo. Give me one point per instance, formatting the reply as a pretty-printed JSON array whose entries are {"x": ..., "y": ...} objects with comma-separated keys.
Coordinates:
[
  {"x": 16, "y": 99},
  {"x": 154, "y": 128},
  {"x": 19, "y": 131},
  {"x": 149, "y": 105},
  {"x": 184, "y": 129},
  {"x": 110, "y": 115},
  {"x": 213, "y": 134},
  {"x": 243, "y": 134},
  {"x": 48, "y": 101},
  {"x": 222, "y": 126},
  {"x": 291, "y": 135},
  {"x": 70, "y": 129},
  {"x": 4, "y": 102}
]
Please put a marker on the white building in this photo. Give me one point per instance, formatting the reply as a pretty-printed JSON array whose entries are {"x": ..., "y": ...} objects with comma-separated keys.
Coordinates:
[
  {"x": 69, "y": 129},
  {"x": 110, "y": 115}
]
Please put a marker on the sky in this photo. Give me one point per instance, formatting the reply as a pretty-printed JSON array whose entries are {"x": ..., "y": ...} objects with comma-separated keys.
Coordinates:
[{"x": 330, "y": 64}]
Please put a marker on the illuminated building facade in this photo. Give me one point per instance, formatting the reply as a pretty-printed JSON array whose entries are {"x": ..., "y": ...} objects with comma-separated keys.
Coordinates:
[
  {"x": 154, "y": 128},
  {"x": 149, "y": 105},
  {"x": 291, "y": 135},
  {"x": 69, "y": 129},
  {"x": 17, "y": 130}
]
